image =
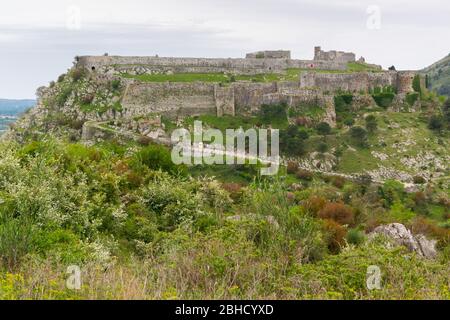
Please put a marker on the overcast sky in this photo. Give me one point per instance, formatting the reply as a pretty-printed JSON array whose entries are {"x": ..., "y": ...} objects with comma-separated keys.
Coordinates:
[{"x": 39, "y": 39}]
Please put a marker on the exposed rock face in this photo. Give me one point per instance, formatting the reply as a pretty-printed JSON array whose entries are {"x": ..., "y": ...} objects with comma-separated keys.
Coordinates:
[{"x": 402, "y": 236}]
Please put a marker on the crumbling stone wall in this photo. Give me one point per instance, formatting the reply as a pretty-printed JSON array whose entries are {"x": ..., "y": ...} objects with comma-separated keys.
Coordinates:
[
  {"x": 171, "y": 99},
  {"x": 278, "y": 54},
  {"x": 224, "y": 97},
  {"x": 248, "y": 66},
  {"x": 358, "y": 81},
  {"x": 333, "y": 55},
  {"x": 249, "y": 96}
]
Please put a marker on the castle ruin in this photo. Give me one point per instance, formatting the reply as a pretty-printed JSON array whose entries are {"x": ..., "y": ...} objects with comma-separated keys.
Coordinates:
[{"x": 317, "y": 81}]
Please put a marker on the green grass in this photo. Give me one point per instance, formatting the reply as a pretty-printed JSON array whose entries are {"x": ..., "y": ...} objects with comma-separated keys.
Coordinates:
[
  {"x": 233, "y": 122},
  {"x": 291, "y": 74},
  {"x": 179, "y": 77},
  {"x": 358, "y": 67}
]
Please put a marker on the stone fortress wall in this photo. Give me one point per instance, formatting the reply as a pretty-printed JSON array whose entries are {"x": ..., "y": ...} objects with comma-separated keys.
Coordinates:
[
  {"x": 242, "y": 97},
  {"x": 246, "y": 66},
  {"x": 279, "y": 54},
  {"x": 337, "y": 56},
  {"x": 358, "y": 81}
]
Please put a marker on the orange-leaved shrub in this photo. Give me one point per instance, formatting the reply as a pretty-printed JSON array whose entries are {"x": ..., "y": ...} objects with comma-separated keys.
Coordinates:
[
  {"x": 314, "y": 204},
  {"x": 336, "y": 235},
  {"x": 337, "y": 212}
]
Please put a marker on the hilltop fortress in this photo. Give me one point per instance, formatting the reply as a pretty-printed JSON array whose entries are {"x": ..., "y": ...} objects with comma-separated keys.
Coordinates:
[{"x": 280, "y": 80}]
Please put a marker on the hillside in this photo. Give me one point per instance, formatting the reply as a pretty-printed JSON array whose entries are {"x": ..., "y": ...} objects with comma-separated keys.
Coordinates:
[
  {"x": 88, "y": 178},
  {"x": 439, "y": 76}
]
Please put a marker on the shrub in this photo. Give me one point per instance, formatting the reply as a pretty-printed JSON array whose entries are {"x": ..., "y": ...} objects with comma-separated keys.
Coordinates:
[
  {"x": 419, "y": 180},
  {"x": 77, "y": 74},
  {"x": 16, "y": 240},
  {"x": 416, "y": 84},
  {"x": 347, "y": 97},
  {"x": 144, "y": 140},
  {"x": 303, "y": 121},
  {"x": 303, "y": 174},
  {"x": 323, "y": 128},
  {"x": 61, "y": 78},
  {"x": 391, "y": 191},
  {"x": 419, "y": 198},
  {"x": 234, "y": 189},
  {"x": 421, "y": 225},
  {"x": 63, "y": 95},
  {"x": 446, "y": 111},
  {"x": 412, "y": 97},
  {"x": 338, "y": 181},
  {"x": 314, "y": 204},
  {"x": 359, "y": 134},
  {"x": 115, "y": 84},
  {"x": 355, "y": 236},
  {"x": 337, "y": 212},
  {"x": 349, "y": 121},
  {"x": 340, "y": 105},
  {"x": 87, "y": 99},
  {"x": 292, "y": 141},
  {"x": 335, "y": 235},
  {"x": 271, "y": 113},
  {"x": 436, "y": 122},
  {"x": 371, "y": 123},
  {"x": 383, "y": 99},
  {"x": 158, "y": 157},
  {"x": 292, "y": 167}
]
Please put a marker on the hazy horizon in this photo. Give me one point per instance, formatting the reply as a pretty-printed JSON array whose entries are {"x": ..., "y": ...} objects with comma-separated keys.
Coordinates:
[{"x": 40, "y": 40}]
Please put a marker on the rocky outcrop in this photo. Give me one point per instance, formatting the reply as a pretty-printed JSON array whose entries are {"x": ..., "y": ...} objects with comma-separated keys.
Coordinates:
[{"x": 398, "y": 233}]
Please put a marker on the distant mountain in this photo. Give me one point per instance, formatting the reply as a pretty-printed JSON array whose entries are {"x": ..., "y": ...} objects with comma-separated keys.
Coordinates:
[
  {"x": 439, "y": 76},
  {"x": 10, "y": 110}
]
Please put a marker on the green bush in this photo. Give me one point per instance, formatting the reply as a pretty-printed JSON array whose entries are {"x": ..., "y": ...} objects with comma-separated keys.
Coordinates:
[
  {"x": 355, "y": 236},
  {"x": 16, "y": 240},
  {"x": 323, "y": 128},
  {"x": 273, "y": 113},
  {"x": 392, "y": 191},
  {"x": 436, "y": 122},
  {"x": 158, "y": 157},
  {"x": 359, "y": 134},
  {"x": 416, "y": 84},
  {"x": 383, "y": 99},
  {"x": 64, "y": 94},
  {"x": 412, "y": 97}
]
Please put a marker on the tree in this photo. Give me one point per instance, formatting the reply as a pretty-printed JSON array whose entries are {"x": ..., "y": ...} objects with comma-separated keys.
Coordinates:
[
  {"x": 446, "y": 111},
  {"x": 392, "y": 68},
  {"x": 323, "y": 128},
  {"x": 359, "y": 134},
  {"x": 436, "y": 123},
  {"x": 292, "y": 141},
  {"x": 371, "y": 123}
]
